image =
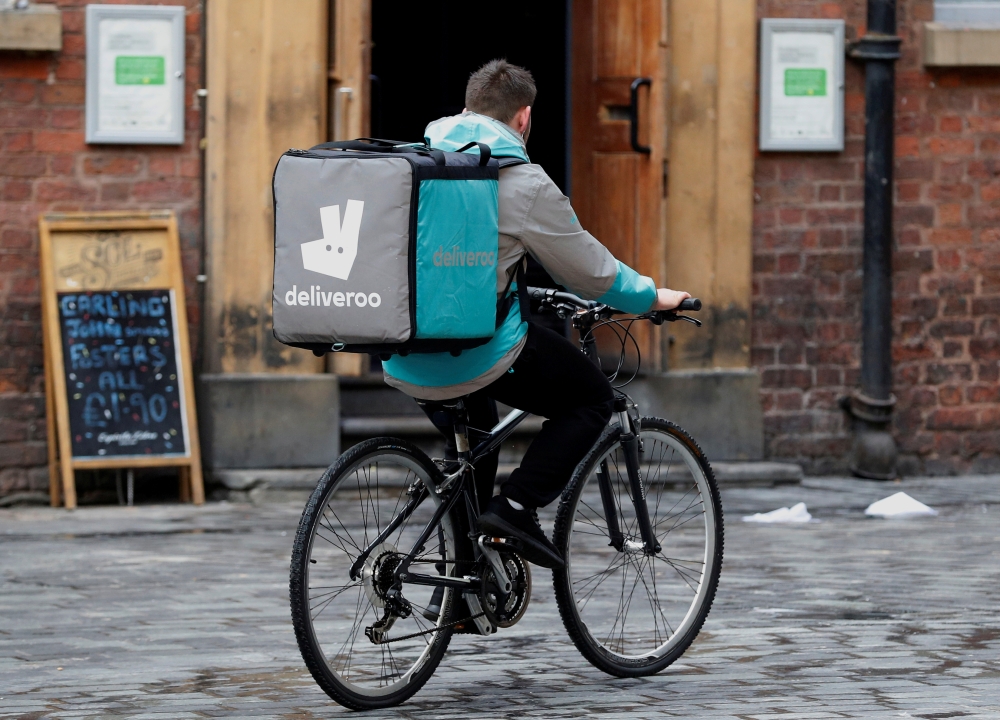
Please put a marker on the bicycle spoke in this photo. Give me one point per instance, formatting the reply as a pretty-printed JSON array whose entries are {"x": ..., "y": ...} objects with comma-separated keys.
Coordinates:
[
  {"x": 654, "y": 601},
  {"x": 349, "y": 538},
  {"x": 605, "y": 576},
  {"x": 684, "y": 577}
]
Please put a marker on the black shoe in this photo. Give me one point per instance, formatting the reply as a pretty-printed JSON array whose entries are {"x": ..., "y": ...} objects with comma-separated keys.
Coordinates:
[{"x": 503, "y": 520}]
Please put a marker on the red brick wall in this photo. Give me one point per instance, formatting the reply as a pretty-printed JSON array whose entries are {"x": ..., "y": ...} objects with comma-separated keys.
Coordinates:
[
  {"x": 807, "y": 267},
  {"x": 46, "y": 166}
]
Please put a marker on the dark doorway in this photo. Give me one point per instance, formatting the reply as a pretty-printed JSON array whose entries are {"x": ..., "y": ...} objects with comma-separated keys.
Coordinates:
[{"x": 424, "y": 51}]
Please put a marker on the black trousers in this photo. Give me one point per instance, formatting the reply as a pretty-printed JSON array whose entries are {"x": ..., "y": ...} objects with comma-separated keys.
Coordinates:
[{"x": 550, "y": 378}]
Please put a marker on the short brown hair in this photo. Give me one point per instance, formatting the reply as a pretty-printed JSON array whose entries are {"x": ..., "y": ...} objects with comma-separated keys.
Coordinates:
[{"x": 499, "y": 89}]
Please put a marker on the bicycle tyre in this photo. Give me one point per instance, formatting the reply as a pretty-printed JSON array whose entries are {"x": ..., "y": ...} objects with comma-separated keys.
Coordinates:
[
  {"x": 572, "y": 525},
  {"x": 337, "y": 684}
]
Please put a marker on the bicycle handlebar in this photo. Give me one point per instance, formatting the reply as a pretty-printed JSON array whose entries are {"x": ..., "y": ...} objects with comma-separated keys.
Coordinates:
[{"x": 691, "y": 304}]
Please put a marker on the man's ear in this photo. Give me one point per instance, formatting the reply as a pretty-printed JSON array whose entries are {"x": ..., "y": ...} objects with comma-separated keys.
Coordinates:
[{"x": 522, "y": 119}]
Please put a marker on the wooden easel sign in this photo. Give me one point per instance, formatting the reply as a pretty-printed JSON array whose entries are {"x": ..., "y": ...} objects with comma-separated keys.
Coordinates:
[{"x": 118, "y": 376}]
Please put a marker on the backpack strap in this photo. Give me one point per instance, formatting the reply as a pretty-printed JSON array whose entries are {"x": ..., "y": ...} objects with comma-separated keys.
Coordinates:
[
  {"x": 506, "y": 162},
  {"x": 523, "y": 301},
  {"x": 507, "y": 298}
]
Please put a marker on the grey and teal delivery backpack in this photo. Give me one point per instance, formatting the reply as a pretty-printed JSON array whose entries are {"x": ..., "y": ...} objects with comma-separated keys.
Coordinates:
[{"x": 385, "y": 247}]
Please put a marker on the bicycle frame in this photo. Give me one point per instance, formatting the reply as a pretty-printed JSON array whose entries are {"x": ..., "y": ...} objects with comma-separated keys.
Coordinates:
[
  {"x": 467, "y": 456},
  {"x": 464, "y": 488}
]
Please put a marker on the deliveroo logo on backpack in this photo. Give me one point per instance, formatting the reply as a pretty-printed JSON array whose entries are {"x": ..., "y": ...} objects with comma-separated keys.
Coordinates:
[{"x": 334, "y": 253}]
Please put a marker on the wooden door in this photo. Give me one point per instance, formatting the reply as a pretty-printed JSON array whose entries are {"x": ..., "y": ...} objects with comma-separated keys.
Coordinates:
[{"x": 618, "y": 191}]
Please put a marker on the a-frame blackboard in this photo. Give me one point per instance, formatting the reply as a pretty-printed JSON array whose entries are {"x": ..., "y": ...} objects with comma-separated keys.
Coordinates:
[{"x": 118, "y": 377}]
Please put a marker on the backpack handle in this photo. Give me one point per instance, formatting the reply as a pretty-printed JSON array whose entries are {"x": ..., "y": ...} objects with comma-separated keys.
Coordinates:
[
  {"x": 484, "y": 151},
  {"x": 376, "y": 145},
  {"x": 362, "y": 143}
]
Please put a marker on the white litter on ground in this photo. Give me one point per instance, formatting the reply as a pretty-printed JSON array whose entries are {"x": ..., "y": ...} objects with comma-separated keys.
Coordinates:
[
  {"x": 795, "y": 514},
  {"x": 899, "y": 506}
]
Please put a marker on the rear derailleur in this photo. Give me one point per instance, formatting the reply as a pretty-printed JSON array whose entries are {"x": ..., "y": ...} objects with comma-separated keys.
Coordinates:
[{"x": 395, "y": 608}]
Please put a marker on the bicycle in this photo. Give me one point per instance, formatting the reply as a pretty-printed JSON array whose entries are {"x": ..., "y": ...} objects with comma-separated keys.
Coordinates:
[{"x": 386, "y": 525}]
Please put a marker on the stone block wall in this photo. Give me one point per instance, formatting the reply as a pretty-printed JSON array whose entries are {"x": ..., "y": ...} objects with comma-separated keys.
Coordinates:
[
  {"x": 946, "y": 313},
  {"x": 45, "y": 165}
]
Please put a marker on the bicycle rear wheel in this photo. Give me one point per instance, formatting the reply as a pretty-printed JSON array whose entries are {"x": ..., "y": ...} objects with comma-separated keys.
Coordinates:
[
  {"x": 632, "y": 614},
  {"x": 354, "y": 501}
]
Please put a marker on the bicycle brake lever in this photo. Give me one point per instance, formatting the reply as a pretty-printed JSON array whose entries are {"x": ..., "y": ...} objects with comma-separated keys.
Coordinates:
[{"x": 693, "y": 321}]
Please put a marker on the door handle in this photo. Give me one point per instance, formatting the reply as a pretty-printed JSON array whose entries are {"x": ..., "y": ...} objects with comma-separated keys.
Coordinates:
[{"x": 634, "y": 115}]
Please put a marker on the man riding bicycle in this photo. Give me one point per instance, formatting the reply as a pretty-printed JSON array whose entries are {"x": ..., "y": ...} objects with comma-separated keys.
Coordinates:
[{"x": 525, "y": 365}]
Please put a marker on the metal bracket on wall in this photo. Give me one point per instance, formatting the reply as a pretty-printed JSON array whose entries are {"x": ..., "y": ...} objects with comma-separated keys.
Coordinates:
[{"x": 875, "y": 46}]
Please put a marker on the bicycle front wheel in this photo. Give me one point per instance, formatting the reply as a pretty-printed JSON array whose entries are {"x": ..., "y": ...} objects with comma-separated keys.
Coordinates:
[
  {"x": 333, "y": 614},
  {"x": 629, "y": 613}
]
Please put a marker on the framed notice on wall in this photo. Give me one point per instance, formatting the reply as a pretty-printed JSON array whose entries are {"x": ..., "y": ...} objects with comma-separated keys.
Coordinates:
[
  {"x": 801, "y": 84},
  {"x": 135, "y": 74},
  {"x": 118, "y": 372}
]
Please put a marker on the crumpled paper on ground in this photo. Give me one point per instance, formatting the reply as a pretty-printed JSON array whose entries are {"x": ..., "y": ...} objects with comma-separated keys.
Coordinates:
[
  {"x": 899, "y": 506},
  {"x": 795, "y": 514}
]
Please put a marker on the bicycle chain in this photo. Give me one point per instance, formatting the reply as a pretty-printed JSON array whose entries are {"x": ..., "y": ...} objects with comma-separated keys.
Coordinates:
[{"x": 436, "y": 629}]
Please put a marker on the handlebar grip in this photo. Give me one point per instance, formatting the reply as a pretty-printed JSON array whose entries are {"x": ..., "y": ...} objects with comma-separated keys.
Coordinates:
[
  {"x": 690, "y": 304},
  {"x": 549, "y": 293}
]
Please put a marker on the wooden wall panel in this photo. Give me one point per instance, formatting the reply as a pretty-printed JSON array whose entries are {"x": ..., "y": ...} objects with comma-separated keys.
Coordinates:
[
  {"x": 350, "y": 69},
  {"x": 734, "y": 172},
  {"x": 713, "y": 66},
  {"x": 267, "y": 92},
  {"x": 349, "y": 107}
]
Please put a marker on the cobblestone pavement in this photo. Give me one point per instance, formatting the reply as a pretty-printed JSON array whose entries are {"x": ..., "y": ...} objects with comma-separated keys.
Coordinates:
[{"x": 181, "y": 612}]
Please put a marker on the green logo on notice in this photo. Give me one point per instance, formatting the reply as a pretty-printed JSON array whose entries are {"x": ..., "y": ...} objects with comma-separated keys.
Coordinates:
[
  {"x": 140, "y": 70},
  {"x": 805, "y": 82}
]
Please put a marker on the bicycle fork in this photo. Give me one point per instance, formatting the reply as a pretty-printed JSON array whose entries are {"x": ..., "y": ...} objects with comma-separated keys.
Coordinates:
[{"x": 630, "y": 448}]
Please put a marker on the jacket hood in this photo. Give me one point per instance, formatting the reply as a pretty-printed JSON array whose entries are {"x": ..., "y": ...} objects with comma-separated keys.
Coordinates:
[{"x": 451, "y": 133}]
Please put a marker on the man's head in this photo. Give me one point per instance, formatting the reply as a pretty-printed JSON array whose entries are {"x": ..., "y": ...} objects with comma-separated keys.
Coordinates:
[{"x": 503, "y": 92}]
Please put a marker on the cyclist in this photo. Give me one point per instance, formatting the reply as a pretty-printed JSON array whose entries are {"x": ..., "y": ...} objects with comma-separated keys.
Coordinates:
[{"x": 524, "y": 365}]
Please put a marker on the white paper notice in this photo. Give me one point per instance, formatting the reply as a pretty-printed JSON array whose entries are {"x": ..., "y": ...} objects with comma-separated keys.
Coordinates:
[
  {"x": 803, "y": 96},
  {"x": 136, "y": 70}
]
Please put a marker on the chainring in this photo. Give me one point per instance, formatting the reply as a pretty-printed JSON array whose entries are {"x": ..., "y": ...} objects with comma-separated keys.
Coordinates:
[{"x": 517, "y": 602}]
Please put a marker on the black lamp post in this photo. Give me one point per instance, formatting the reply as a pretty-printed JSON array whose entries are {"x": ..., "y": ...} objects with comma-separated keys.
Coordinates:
[{"x": 874, "y": 451}]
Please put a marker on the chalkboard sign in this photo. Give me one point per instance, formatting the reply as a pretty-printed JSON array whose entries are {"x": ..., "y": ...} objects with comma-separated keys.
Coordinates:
[
  {"x": 122, "y": 373},
  {"x": 117, "y": 356}
]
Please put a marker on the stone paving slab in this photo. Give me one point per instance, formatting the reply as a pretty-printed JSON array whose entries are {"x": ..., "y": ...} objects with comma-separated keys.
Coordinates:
[{"x": 180, "y": 612}]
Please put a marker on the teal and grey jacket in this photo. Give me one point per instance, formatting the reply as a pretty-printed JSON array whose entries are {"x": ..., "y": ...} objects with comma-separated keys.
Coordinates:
[{"x": 535, "y": 217}]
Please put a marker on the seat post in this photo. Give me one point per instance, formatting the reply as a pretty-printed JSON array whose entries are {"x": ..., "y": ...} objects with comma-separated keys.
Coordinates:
[{"x": 462, "y": 431}]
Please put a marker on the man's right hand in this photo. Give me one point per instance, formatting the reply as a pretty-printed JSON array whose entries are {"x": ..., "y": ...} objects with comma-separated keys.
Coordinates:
[{"x": 667, "y": 299}]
